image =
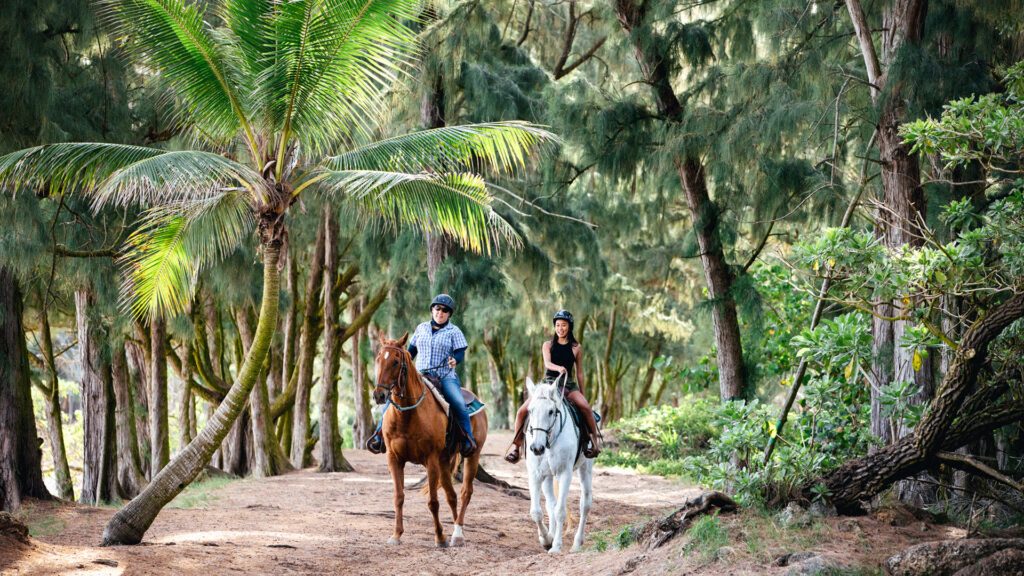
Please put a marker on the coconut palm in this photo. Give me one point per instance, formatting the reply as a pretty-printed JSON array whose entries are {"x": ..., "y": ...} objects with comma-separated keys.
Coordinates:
[{"x": 273, "y": 95}]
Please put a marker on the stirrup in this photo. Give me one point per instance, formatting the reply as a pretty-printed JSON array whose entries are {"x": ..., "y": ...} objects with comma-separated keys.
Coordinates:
[
  {"x": 375, "y": 444},
  {"x": 512, "y": 455}
]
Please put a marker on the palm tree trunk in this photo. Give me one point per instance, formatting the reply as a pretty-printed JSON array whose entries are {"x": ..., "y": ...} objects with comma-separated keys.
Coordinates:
[
  {"x": 54, "y": 421},
  {"x": 332, "y": 459},
  {"x": 21, "y": 473},
  {"x": 307, "y": 351},
  {"x": 130, "y": 523},
  {"x": 268, "y": 459},
  {"x": 185, "y": 412}
]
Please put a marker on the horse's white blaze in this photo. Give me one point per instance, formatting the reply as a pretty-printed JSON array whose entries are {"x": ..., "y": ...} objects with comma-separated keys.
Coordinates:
[
  {"x": 386, "y": 354},
  {"x": 550, "y": 431}
]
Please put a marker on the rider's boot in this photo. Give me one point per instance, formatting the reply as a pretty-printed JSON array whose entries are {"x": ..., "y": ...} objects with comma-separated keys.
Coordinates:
[
  {"x": 468, "y": 446},
  {"x": 514, "y": 452},
  {"x": 595, "y": 444}
]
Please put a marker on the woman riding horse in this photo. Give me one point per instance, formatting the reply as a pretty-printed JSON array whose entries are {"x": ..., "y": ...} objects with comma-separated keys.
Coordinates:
[
  {"x": 562, "y": 355},
  {"x": 439, "y": 344}
]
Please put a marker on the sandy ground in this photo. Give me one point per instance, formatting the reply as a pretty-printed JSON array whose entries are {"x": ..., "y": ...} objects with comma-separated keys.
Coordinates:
[{"x": 311, "y": 523}]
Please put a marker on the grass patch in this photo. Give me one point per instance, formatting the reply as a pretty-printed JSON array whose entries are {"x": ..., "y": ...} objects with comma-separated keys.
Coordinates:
[
  {"x": 199, "y": 494},
  {"x": 599, "y": 540},
  {"x": 43, "y": 526},
  {"x": 707, "y": 535}
]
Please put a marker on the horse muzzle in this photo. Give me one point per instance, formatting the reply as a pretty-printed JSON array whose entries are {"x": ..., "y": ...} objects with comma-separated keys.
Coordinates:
[
  {"x": 380, "y": 396},
  {"x": 537, "y": 448}
]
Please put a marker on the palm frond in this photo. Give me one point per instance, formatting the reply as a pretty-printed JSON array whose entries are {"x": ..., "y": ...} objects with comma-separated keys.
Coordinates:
[
  {"x": 179, "y": 176},
  {"x": 455, "y": 204},
  {"x": 499, "y": 146},
  {"x": 334, "y": 59},
  {"x": 73, "y": 167},
  {"x": 171, "y": 36},
  {"x": 175, "y": 243}
]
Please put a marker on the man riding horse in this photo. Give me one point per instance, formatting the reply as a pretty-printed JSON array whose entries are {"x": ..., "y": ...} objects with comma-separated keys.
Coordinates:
[{"x": 438, "y": 346}]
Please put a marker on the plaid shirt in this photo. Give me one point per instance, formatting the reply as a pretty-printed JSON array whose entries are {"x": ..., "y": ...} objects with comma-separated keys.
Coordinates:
[{"x": 435, "y": 346}]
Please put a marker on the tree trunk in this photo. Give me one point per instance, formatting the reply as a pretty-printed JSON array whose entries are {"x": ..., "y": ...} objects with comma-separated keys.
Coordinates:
[
  {"x": 139, "y": 373},
  {"x": 21, "y": 474},
  {"x": 158, "y": 434},
  {"x": 332, "y": 459},
  {"x": 186, "y": 412},
  {"x": 130, "y": 523},
  {"x": 54, "y": 423},
  {"x": 649, "y": 375},
  {"x": 499, "y": 392},
  {"x": 704, "y": 214},
  {"x": 362, "y": 425},
  {"x": 130, "y": 478},
  {"x": 97, "y": 473},
  {"x": 949, "y": 423},
  {"x": 291, "y": 327},
  {"x": 307, "y": 351},
  {"x": 268, "y": 458}
]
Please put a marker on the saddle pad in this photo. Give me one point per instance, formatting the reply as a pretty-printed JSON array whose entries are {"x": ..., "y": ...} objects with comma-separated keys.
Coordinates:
[
  {"x": 581, "y": 426},
  {"x": 473, "y": 404}
]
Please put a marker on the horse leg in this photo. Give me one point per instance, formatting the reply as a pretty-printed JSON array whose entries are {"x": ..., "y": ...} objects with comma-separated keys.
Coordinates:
[
  {"x": 468, "y": 475},
  {"x": 547, "y": 486},
  {"x": 433, "y": 477},
  {"x": 558, "y": 520},
  {"x": 453, "y": 503},
  {"x": 398, "y": 477},
  {"x": 536, "y": 512},
  {"x": 586, "y": 498}
]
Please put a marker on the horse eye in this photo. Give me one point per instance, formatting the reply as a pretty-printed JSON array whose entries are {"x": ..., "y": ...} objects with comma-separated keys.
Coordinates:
[{"x": 551, "y": 412}]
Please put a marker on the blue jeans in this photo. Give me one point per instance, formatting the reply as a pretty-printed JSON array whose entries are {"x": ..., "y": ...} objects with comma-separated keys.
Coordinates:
[{"x": 452, "y": 392}]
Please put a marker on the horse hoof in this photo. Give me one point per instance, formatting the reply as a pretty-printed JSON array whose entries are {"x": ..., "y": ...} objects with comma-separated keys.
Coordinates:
[
  {"x": 576, "y": 548},
  {"x": 554, "y": 550},
  {"x": 394, "y": 541},
  {"x": 456, "y": 541},
  {"x": 441, "y": 544}
]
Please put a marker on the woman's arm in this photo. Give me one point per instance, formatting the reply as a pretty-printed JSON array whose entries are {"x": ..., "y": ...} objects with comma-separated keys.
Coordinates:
[
  {"x": 577, "y": 351},
  {"x": 546, "y": 351}
]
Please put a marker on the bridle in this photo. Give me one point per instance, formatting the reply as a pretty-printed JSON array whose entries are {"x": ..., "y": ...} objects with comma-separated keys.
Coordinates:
[
  {"x": 399, "y": 382},
  {"x": 560, "y": 408}
]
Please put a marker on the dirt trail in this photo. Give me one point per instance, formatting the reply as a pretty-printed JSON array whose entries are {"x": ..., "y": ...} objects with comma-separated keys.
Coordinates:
[{"x": 312, "y": 523}]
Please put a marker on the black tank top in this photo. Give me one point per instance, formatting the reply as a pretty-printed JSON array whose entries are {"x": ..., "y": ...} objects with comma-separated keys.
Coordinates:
[{"x": 562, "y": 355}]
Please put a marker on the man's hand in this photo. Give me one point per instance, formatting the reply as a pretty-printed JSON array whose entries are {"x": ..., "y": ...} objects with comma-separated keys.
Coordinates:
[{"x": 451, "y": 362}]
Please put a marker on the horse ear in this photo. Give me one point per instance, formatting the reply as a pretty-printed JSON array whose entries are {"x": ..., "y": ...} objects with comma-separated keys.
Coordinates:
[
  {"x": 403, "y": 340},
  {"x": 530, "y": 386}
]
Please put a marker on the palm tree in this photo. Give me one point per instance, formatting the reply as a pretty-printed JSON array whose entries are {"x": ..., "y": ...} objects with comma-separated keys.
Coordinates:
[{"x": 269, "y": 92}]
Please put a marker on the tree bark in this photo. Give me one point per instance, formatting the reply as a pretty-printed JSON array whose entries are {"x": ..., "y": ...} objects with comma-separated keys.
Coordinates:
[
  {"x": 54, "y": 421},
  {"x": 307, "y": 351},
  {"x": 130, "y": 523},
  {"x": 268, "y": 458},
  {"x": 332, "y": 459},
  {"x": 948, "y": 424},
  {"x": 186, "y": 411},
  {"x": 717, "y": 273},
  {"x": 291, "y": 328},
  {"x": 158, "y": 434},
  {"x": 362, "y": 426},
  {"x": 97, "y": 473},
  {"x": 130, "y": 478},
  {"x": 139, "y": 373},
  {"x": 21, "y": 474}
]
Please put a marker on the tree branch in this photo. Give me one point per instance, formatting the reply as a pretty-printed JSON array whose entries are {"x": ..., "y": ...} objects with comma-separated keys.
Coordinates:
[
  {"x": 968, "y": 464},
  {"x": 867, "y": 46}
]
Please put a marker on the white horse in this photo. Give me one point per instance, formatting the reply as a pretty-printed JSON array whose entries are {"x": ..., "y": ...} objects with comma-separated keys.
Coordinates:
[{"x": 552, "y": 440}]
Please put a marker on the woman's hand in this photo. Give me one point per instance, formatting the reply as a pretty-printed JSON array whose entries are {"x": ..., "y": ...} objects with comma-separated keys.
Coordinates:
[{"x": 451, "y": 362}]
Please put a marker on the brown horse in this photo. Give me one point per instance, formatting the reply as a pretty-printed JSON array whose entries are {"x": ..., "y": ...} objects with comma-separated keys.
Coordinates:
[{"x": 414, "y": 431}]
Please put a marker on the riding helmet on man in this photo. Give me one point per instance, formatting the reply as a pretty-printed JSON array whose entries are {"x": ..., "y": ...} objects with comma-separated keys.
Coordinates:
[{"x": 443, "y": 300}]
